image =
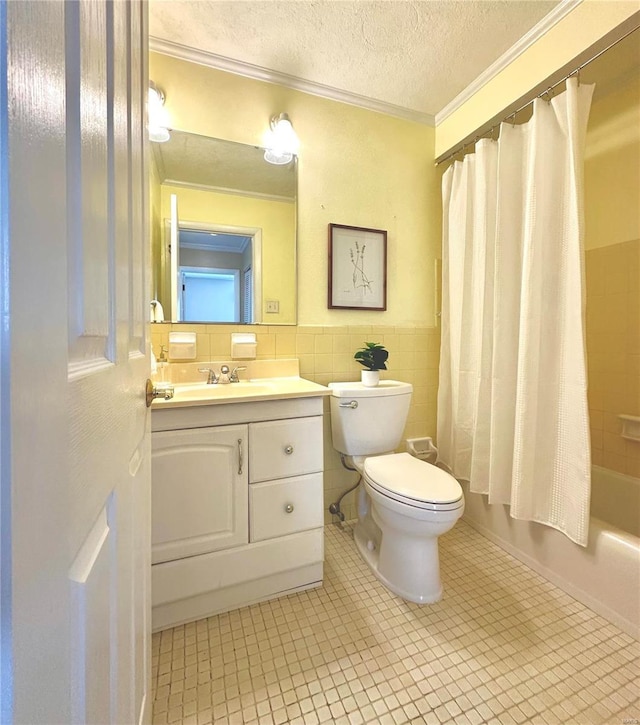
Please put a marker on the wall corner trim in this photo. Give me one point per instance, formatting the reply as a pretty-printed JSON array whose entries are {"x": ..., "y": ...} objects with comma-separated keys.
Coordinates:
[{"x": 517, "y": 49}]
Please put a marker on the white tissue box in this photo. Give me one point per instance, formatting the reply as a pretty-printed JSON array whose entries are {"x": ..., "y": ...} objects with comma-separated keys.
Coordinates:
[
  {"x": 243, "y": 345},
  {"x": 182, "y": 345}
]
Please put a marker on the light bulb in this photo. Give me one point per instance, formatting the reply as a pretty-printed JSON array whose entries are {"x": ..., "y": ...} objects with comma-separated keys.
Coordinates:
[
  {"x": 279, "y": 158},
  {"x": 281, "y": 141},
  {"x": 158, "y": 130}
]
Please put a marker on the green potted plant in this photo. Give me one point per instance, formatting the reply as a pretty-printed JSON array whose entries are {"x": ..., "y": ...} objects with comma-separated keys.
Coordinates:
[{"x": 373, "y": 356}]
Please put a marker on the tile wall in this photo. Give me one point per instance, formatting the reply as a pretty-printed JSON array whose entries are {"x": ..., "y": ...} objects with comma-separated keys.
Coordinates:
[
  {"x": 326, "y": 355},
  {"x": 613, "y": 350}
]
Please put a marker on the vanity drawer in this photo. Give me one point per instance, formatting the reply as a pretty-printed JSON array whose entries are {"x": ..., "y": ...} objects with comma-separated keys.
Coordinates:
[
  {"x": 278, "y": 508},
  {"x": 282, "y": 448}
]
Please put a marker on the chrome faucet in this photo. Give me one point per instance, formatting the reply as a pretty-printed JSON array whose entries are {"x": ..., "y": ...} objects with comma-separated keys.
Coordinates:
[
  {"x": 234, "y": 378},
  {"x": 212, "y": 378},
  {"x": 224, "y": 378}
]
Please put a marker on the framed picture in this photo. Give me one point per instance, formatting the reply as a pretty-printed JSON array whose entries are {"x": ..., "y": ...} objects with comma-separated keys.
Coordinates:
[{"x": 357, "y": 268}]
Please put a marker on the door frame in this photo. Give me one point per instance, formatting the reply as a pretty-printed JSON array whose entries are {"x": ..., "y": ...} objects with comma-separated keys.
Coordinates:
[{"x": 256, "y": 253}]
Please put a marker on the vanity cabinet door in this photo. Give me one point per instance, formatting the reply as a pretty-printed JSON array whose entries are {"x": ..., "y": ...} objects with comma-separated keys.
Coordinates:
[{"x": 199, "y": 498}]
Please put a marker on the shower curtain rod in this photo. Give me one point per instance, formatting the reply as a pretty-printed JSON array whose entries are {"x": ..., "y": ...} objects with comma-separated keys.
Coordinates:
[{"x": 547, "y": 92}]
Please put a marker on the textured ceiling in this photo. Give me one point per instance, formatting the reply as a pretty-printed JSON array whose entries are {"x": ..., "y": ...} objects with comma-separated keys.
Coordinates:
[{"x": 415, "y": 54}]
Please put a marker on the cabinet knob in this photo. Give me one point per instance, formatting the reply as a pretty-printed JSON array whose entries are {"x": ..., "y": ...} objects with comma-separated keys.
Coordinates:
[
  {"x": 289, "y": 508},
  {"x": 288, "y": 450}
]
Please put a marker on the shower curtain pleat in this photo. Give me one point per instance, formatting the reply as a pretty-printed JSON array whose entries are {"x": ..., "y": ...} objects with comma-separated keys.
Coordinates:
[
  {"x": 512, "y": 402},
  {"x": 506, "y": 321}
]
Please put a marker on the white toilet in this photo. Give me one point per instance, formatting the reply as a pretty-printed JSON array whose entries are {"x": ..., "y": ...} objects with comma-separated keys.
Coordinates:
[{"x": 404, "y": 504}]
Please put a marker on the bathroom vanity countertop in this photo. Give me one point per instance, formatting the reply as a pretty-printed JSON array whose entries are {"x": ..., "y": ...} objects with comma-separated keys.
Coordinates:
[{"x": 246, "y": 391}]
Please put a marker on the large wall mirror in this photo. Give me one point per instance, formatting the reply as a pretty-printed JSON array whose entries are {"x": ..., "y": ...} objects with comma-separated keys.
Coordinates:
[{"x": 223, "y": 232}]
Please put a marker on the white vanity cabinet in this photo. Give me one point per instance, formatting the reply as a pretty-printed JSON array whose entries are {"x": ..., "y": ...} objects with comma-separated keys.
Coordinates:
[
  {"x": 199, "y": 491},
  {"x": 237, "y": 505}
]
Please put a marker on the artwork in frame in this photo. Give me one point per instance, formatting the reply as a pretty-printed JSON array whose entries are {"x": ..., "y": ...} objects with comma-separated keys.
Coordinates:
[{"x": 357, "y": 268}]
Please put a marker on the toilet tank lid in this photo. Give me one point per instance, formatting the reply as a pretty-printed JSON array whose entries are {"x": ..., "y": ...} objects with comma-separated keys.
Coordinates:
[{"x": 358, "y": 390}]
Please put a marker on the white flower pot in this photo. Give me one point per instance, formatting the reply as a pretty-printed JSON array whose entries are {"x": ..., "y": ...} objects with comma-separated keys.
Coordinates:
[{"x": 370, "y": 378}]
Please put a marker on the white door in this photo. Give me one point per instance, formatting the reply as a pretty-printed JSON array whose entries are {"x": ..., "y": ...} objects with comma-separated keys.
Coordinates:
[
  {"x": 174, "y": 256},
  {"x": 75, "y": 468}
]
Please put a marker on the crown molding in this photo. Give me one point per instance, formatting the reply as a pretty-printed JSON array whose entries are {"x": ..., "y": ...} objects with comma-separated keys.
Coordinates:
[
  {"x": 517, "y": 49},
  {"x": 213, "y": 247},
  {"x": 232, "y": 192},
  {"x": 248, "y": 70}
]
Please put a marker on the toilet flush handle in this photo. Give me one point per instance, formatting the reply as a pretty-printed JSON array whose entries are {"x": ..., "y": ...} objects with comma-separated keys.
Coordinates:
[{"x": 350, "y": 404}]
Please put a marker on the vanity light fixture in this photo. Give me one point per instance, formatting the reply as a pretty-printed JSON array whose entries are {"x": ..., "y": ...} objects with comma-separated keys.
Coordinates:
[
  {"x": 281, "y": 141},
  {"x": 158, "y": 131}
]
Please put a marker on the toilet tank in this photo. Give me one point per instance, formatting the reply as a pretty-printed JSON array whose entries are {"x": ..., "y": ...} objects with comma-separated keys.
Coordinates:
[{"x": 367, "y": 421}]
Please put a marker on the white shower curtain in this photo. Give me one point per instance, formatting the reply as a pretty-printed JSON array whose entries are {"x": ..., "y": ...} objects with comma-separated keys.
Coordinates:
[{"x": 512, "y": 402}]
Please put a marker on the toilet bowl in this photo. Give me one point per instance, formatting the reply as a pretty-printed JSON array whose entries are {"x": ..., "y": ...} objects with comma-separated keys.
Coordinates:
[
  {"x": 411, "y": 503},
  {"x": 404, "y": 504}
]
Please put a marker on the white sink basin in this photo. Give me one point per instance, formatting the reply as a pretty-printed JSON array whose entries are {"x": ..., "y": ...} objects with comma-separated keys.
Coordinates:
[
  {"x": 190, "y": 394},
  {"x": 202, "y": 391}
]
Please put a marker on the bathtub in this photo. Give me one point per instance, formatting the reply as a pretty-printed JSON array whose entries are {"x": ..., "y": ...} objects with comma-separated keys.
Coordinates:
[
  {"x": 605, "y": 575},
  {"x": 615, "y": 499}
]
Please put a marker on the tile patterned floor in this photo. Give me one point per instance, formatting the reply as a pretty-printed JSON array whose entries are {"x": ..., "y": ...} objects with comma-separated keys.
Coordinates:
[{"x": 503, "y": 646}]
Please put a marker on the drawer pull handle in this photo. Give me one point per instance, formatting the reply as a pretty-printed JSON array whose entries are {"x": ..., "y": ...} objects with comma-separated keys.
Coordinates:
[
  {"x": 240, "y": 456},
  {"x": 288, "y": 450},
  {"x": 289, "y": 508}
]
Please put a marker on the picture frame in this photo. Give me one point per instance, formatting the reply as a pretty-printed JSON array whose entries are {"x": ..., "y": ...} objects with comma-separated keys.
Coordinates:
[{"x": 357, "y": 268}]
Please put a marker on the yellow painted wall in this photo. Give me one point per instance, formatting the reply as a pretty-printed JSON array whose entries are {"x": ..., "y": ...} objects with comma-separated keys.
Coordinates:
[
  {"x": 275, "y": 218},
  {"x": 584, "y": 26},
  {"x": 612, "y": 215},
  {"x": 613, "y": 351},
  {"x": 612, "y": 168},
  {"x": 356, "y": 167}
]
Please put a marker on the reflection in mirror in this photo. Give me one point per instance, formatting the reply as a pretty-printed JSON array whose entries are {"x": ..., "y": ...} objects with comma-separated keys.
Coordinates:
[
  {"x": 223, "y": 232},
  {"x": 216, "y": 273}
]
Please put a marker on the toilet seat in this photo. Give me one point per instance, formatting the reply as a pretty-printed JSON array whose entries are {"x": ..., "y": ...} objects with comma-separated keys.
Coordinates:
[{"x": 403, "y": 478}]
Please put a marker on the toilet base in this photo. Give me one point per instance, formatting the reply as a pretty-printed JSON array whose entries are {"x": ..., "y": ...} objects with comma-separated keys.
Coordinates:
[{"x": 368, "y": 540}]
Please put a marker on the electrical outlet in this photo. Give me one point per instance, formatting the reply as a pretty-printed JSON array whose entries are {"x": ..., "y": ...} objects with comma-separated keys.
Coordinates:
[{"x": 272, "y": 306}]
